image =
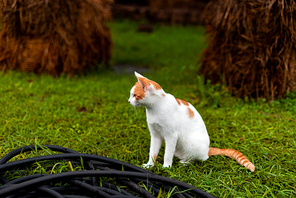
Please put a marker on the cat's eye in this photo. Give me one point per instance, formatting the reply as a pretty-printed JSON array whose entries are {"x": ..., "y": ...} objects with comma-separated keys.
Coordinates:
[{"x": 134, "y": 95}]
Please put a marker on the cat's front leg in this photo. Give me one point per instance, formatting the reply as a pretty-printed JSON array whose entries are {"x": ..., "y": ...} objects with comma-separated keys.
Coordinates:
[
  {"x": 155, "y": 145},
  {"x": 170, "y": 147}
]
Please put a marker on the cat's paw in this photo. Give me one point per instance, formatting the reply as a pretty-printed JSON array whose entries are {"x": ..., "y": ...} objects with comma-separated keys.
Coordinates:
[
  {"x": 167, "y": 166},
  {"x": 185, "y": 163},
  {"x": 148, "y": 165}
]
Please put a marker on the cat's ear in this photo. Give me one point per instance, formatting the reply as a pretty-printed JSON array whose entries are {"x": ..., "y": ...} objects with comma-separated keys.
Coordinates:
[
  {"x": 138, "y": 75},
  {"x": 146, "y": 84},
  {"x": 142, "y": 80}
]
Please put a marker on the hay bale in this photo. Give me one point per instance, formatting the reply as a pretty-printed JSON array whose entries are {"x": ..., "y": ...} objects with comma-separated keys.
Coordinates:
[
  {"x": 251, "y": 46},
  {"x": 65, "y": 36}
]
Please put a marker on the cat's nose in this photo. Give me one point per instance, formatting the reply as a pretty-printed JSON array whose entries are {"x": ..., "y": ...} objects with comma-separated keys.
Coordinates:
[{"x": 129, "y": 101}]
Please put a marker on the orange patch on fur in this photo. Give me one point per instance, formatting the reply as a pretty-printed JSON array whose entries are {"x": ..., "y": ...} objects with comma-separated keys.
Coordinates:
[
  {"x": 155, "y": 85},
  {"x": 183, "y": 102},
  {"x": 190, "y": 112},
  {"x": 148, "y": 82},
  {"x": 234, "y": 154},
  {"x": 154, "y": 157},
  {"x": 163, "y": 95},
  {"x": 139, "y": 92}
]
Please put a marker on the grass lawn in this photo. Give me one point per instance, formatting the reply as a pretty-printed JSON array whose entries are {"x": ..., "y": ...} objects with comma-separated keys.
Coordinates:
[{"x": 90, "y": 114}]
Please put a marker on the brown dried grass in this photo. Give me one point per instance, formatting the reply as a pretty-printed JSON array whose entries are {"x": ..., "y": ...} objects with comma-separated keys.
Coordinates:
[
  {"x": 167, "y": 4},
  {"x": 65, "y": 36},
  {"x": 251, "y": 46}
]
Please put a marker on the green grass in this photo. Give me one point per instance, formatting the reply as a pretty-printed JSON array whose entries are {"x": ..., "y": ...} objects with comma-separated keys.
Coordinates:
[
  {"x": 158, "y": 48},
  {"x": 47, "y": 110}
]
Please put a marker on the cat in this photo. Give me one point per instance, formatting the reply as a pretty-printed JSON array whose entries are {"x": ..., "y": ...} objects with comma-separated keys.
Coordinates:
[{"x": 178, "y": 123}]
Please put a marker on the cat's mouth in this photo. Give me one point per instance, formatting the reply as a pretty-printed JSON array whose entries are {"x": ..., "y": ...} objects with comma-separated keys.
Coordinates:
[{"x": 134, "y": 104}]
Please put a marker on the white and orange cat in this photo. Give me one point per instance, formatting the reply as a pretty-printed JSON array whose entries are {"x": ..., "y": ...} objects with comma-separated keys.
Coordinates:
[{"x": 178, "y": 124}]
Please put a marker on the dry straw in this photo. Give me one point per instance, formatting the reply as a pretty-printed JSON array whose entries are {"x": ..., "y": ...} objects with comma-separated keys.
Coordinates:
[
  {"x": 251, "y": 46},
  {"x": 64, "y": 36}
]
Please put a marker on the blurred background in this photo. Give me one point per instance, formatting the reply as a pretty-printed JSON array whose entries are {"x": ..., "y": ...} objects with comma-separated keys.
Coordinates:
[{"x": 250, "y": 44}]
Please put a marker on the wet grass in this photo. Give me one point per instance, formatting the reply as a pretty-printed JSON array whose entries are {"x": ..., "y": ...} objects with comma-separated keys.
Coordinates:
[{"x": 90, "y": 114}]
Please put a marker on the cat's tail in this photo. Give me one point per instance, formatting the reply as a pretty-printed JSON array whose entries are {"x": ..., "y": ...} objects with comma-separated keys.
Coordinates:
[{"x": 234, "y": 154}]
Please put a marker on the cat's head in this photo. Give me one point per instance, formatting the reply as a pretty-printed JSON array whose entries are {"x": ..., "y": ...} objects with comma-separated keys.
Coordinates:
[{"x": 145, "y": 92}]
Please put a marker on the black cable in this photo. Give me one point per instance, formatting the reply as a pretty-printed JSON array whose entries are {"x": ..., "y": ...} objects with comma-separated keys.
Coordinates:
[
  {"x": 132, "y": 185},
  {"x": 15, "y": 152},
  {"x": 72, "y": 156},
  {"x": 50, "y": 192},
  {"x": 87, "y": 183},
  {"x": 88, "y": 173},
  {"x": 114, "y": 187},
  {"x": 154, "y": 188},
  {"x": 90, "y": 189}
]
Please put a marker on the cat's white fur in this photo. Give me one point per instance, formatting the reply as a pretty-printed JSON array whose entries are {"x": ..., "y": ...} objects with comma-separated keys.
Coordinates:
[{"x": 185, "y": 137}]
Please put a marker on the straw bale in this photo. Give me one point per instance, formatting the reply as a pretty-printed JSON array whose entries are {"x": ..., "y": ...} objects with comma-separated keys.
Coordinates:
[
  {"x": 251, "y": 46},
  {"x": 65, "y": 36}
]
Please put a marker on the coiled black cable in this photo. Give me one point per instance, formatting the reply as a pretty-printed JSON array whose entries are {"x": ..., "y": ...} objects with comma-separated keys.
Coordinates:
[{"x": 88, "y": 182}]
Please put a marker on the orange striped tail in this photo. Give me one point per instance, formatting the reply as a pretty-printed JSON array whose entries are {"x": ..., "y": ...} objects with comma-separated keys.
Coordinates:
[{"x": 234, "y": 154}]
